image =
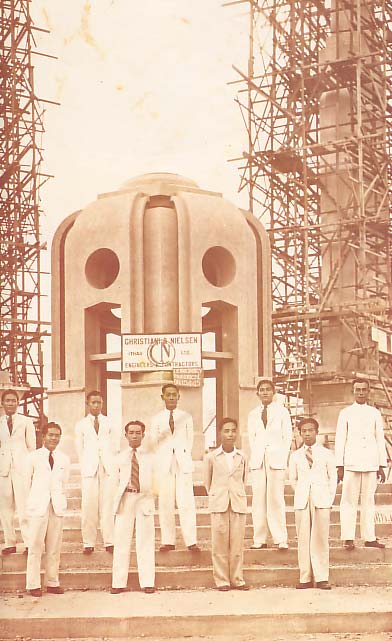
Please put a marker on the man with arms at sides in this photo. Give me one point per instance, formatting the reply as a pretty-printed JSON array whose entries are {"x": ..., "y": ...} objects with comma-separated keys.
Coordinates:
[
  {"x": 134, "y": 510},
  {"x": 312, "y": 474},
  {"x": 17, "y": 439},
  {"x": 171, "y": 434},
  {"x": 48, "y": 470},
  {"x": 97, "y": 444},
  {"x": 360, "y": 458},
  {"x": 224, "y": 479},
  {"x": 270, "y": 435}
]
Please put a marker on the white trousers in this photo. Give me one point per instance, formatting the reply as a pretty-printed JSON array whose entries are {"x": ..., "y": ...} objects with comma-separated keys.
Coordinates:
[
  {"x": 268, "y": 505},
  {"x": 177, "y": 487},
  {"x": 131, "y": 514},
  {"x": 312, "y": 525},
  {"x": 355, "y": 485},
  {"x": 97, "y": 507},
  {"x": 13, "y": 496},
  {"x": 44, "y": 532},
  {"x": 227, "y": 542}
]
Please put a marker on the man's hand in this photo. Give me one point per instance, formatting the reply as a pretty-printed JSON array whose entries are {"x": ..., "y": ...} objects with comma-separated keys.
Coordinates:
[
  {"x": 340, "y": 470},
  {"x": 381, "y": 475}
]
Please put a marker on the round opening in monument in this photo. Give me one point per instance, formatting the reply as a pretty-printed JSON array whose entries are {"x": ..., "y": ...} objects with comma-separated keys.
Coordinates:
[
  {"x": 218, "y": 266},
  {"x": 102, "y": 267}
]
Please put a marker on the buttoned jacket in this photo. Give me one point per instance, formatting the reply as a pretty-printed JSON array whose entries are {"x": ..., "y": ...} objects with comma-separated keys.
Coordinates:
[
  {"x": 225, "y": 486},
  {"x": 146, "y": 481},
  {"x": 166, "y": 444},
  {"x": 93, "y": 448},
  {"x": 274, "y": 439},
  {"x": 318, "y": 482},
  {"x": 46, "y": 484},
  {"x": 15, "y": 447},
  {"x": 359, "y": 440}
]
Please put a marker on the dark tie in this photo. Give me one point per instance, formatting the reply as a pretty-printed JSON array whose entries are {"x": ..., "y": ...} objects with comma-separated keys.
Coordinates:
[
  {"x": 308, "y": 455},
  {"x": 171, "y": 421},
  {"x": 51, "y": 461},
  {"x": 9, "y": 423},
  {"x": 135, "y": 472},
  {"x": 264, "y": 417},
  {"x": 96, "y": 424}
]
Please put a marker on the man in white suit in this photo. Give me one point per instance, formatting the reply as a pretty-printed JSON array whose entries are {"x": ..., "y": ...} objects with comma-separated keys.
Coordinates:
[
  {"x": 17, "y": 439},
  {"x": 360, "y": 457},
  {"x": 270, "y": 435},
  {"x": 171, "y": 434},
  {"x": 312, "y": 473},
  {"x": 97, "y": 444},
  {"x": 134, "y": 510},
  {"x": 48, "y": 471}
]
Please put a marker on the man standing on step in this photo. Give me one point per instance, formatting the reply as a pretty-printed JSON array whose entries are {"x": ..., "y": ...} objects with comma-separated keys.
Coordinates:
[
  {"x": 312, "y": 474},
  {"x": 48, "y": 471},
  {"x": 360, "y": 458},
  {"x": 97, "y": 444},
  {"x": 172, "y": 438},
  {"x": 134, "y": 508},
  {"x": 270, "y": 435},
  {"x": 17, "y": 439}
]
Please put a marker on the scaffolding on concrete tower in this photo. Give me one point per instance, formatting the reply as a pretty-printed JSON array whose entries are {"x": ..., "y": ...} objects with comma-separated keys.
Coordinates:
[
  {"x": 21, "y": 326},
  {"x": 316, "y": 103}
]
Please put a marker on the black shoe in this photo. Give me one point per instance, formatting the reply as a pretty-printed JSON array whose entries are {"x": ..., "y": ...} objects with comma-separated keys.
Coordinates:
[
  {"x": 194, "y": 548},
  {"x": 304, "y": 586},
  {"x": 35, "y": 592},
  {"x": 109, "y": 548},
  {"x": 10, "y": 550},
  {"x": 88, "y": 550},
  {"x": 26, "y": 551},
  {"x": 243, "y": 586},
  {"x": 323, "y": 585},
  {"x": 262, "y": 546},
  {"x": 223, "y": 588},
  {"x": 349, "y": 545},
  {"x": 117, "y": 590},
  {"x": 167, "y": 547},
  {"x": 149, "y": 590},
  {"x": 374, "y": 544},
  {"x": 55, "y": 589}
]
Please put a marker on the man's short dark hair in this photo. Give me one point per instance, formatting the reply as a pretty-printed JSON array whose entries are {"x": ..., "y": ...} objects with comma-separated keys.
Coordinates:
[
  {"x": 138, "y": 423},
  {"x": 361, "y": 380},
  {"x": 9, "y": 391},
  {"x": 49, "y": 425},
  {"x": 227, "y": 420},
  {"x": 308, "y": 419},
  {"x": 265, "y": 381},
  {"x": 166, "y": 385},
  {"x": 94, "y": 392}
]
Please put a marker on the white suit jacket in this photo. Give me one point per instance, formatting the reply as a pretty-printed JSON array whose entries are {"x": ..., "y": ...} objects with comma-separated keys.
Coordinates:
[
  {"x": 275, "y": 439},
  {"x": 15, "y": 447},
  {"x": 359, "y": 440},
  {"x": 166, "y": 444},
  {"x": 47, "y": 485},
  {"x": 93, "y": 448},
  {"x": 318, "y": 482},
  {"x": 146, "y": 467}
]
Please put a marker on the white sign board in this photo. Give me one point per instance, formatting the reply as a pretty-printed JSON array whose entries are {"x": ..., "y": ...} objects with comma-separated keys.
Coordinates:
[{"x": 151, "y": 352}]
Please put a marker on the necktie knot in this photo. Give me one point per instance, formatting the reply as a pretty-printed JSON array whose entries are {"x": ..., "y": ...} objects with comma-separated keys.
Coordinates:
[
  {"x": 51, "y": 460},
  {"x": 9, "y": 423},
  {"x": 171, "y": 421}
]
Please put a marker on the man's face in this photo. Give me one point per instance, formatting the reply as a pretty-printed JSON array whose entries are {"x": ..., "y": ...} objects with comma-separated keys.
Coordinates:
[
  {"x": 51, "y": 438},
  {"x": 10, "y": 404},
  {"x": 134, "y": 436},
  {"x": 94, "y": 405},
  {"x": 265, "y": 393},
  {"x": 228, "y": 436},
  {"x": 361, "y": 392},
  {"x": 309, "y": 434},
  {"x": 170, "y": 397}
]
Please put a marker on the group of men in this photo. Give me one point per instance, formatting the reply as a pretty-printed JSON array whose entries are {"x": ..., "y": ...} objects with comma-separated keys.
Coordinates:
[{"x": 118, "y": 487}]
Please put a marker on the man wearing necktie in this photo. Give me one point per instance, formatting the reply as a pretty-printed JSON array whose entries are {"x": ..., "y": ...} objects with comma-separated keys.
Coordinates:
[
  {"x": 171, "y": 435},
  {"x": 48, "y": 473},
  {"x": 270, "y": 435},
  {"x": 97, "y": 444},
  {"x": 312, "y": 474},
  {"x": 17, "y": 439},
  {"x": 134, "y": 511}
]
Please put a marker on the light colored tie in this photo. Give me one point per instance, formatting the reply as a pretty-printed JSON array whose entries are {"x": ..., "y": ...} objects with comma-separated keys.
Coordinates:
[
  {"x": 9, "y": 423},
  {"x": 264, "y": 415},
  {"x": 171, "y": 421},
  {"x": 308, "y": 455},
  {"x": 135, "y": 472},
  {"x": 96, "y": 424}
]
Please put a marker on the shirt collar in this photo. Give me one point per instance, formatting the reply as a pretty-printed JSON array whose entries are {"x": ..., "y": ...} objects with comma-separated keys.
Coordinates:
[{"x": 220, "y": 450}]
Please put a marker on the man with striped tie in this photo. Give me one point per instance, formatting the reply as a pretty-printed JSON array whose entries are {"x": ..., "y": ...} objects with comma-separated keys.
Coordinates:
[
  {"x": 312, "y": 474},
  {"x": 134, "y": 511}
]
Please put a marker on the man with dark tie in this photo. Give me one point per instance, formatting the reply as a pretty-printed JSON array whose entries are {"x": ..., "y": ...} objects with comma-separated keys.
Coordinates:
[
  {"x": 97, "y": 444},
  {"x": 48, "y": 474},
  {"x": 134, "y": 511},
  {"x": 17, "y": 439},
  {"x": 171, "y": 435},
  {"x": 270, "y": 435}
]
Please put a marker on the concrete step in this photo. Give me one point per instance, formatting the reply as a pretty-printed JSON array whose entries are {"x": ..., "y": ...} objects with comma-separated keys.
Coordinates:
[{"x": 194, "y": 614}]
